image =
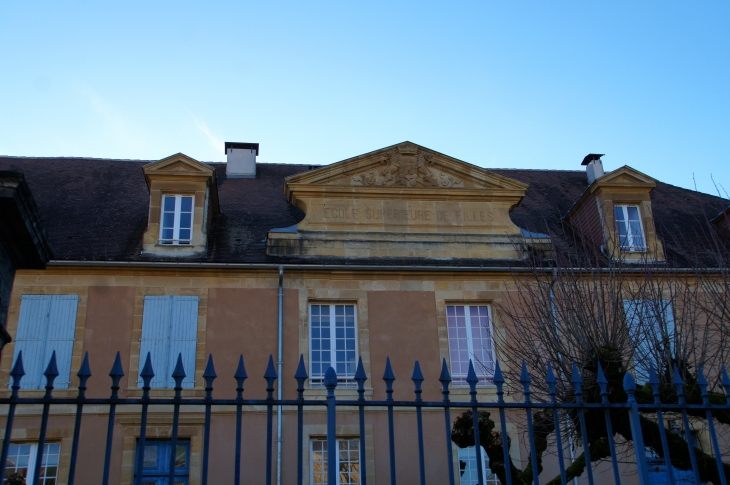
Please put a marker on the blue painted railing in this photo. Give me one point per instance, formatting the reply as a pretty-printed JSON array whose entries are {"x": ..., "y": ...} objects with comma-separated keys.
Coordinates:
[{"x": 331, "y": 403}]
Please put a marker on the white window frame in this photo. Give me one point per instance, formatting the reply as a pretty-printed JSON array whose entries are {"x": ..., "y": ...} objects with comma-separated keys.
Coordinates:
[
  {"x": 176, "y": 241},
  {"x": 347, "y": 379},
  {"x": 630, "y": 236},
  {"x": 337, "y": 457},
  {"x": 459, "y": 377},
  {"x": 645, "y": 310},
  {"x": 32, "y": 461},
  {"x": 469, "y": 453}
]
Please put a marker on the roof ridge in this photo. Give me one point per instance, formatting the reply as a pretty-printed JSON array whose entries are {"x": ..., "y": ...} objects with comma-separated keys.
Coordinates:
[{"x": 80, "y": 158}]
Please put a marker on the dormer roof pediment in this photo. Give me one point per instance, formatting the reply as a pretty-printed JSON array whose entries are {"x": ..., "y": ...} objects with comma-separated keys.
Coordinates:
[
  {"x": 625, "y": 177},
  {"x": 178, "y": 165},
  {"x": 407, "y": 169}
]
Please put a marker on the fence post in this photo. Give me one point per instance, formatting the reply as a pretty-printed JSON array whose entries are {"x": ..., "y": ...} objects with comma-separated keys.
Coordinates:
[
  {"x": 679, "y": 385},
  {"x": 240, "y": 377},
  {"x": 389, "y": 377},
  {"x": 51, "y": 373},
  {"x": 417, "y": 381},
  {"x": 270, "y": 376},
  {"x": 702, "y": 382},
  {"x": 209, "y": 375},
  {"x": 83, "y": 374},
  {"x": 603, "y": 384},
  {"x": 445, "y": 380},
  {"x": 525, "y": 380},
  {"x": 330, "y": 382},
  {"x": 116, "y": 374},
  {"x": 472, "y": 380},
  {"x": 635, "y": 422},
  {"x": 360, "y": 378},
  {"x": 552, "y": 382},
  {"x": 654, "y": 383},
  {"x": 577, "y": 382},
  {"x": 300, "y": 376},
  {"x": 17, "y": 374}
]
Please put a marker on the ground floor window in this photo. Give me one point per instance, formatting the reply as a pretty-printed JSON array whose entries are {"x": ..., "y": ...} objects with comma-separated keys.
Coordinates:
[
  {"x": 156, "y": 462},
  {"x": 468, "y": 473},
  {"x": 20, "y": 465},
  {"x": 348, "y": 461}
]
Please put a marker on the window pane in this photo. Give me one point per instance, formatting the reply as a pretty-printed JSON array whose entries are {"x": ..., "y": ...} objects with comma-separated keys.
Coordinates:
[
  {"x": 150, "y": 456},
  {"x": 184, "y": 235},
  {"x": 181, "y": 456},
  {"x": 168, "y": 220},
  {"x": 458, "y": 343},
  {"x": 633, "y": 213},
  {"x": 185, "y": 220},
  {"x": 169, "y": 204},
  {"x": 186, "y": 204},
  {"x": 618, "y": 212}
]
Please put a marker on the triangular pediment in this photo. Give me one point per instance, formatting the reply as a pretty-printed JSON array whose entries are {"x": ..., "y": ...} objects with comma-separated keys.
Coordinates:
[
  {"x": 178, "y": 163},
  {"x": 406, "y": 166},
  {"x": 626, "y": 177}
]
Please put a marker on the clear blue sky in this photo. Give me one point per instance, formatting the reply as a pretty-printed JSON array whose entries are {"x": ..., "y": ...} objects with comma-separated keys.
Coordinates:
[{"x": 508, "y": 84}]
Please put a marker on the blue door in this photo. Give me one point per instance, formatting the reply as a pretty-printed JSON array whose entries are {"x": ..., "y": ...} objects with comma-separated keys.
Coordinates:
[{"x": 156, "y": 462}]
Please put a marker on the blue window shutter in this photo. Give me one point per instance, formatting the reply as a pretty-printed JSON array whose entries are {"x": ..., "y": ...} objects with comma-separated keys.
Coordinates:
[
  {"x": 31, "y": 338},
  {"x": 60, "y": 336},
  {"x": 156, "y": 319},
  {"x": 184, "y": 337}
]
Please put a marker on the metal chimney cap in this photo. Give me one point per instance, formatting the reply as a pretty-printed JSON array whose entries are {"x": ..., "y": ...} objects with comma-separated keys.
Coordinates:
[
  {"x": 245, "y": 146},
  {"x": 592, "y": 157}
]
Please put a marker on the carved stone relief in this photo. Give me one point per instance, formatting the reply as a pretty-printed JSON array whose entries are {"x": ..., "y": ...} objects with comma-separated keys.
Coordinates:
[{"x": 406, "y": 168}]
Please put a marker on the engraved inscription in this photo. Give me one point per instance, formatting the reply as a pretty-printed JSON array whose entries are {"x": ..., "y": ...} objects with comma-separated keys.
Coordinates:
[{"x": 399, "y": 216}]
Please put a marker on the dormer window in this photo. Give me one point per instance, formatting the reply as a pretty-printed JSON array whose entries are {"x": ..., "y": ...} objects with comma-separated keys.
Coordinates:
[
  {"x": 630, "y": 230},
  {"x": 177, "y": 219}
]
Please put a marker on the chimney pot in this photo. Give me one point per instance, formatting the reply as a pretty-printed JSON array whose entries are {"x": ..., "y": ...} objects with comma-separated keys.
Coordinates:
[
  {"x": 241, "y": 159},
  {"x": 594, "y": 166}
]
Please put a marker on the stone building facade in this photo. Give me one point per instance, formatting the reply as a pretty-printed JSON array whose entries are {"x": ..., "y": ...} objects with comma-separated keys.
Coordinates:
[{"x": 388, "y": 254}]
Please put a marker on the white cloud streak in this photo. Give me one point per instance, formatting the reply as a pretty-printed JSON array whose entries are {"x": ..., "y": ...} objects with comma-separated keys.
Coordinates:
[{"x": 215, "y": 142}]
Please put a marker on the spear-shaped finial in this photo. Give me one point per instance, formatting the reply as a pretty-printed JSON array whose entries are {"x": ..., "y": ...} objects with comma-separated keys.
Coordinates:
[
  {"x": 51, "y": 373},
  {"x": 270, "y": 376},
  {"x": 240, "y": 376},
  {"x": 116, "y": 374},
  {"x": 630, "y": 386},
  {"x": 602, "y": 383},
  {"x": 577, "y": 382},
  {"x": 551, "y": 382},
  {"x": 445, "y": 379},
  {"x": 388, "y": 377},
  {"x": 417, "y": 379},
  {"x": 702, "y": 382},
  {"x": 83, "y": 374},
  {"x": 178, "y": 374},
  {"x": 654, "y": 383},
  {"x": 209, "y": 375},
  {"x": 301, "y": 375},
  {"x": 360, "y": 378},
  {"x": 499, "y": 381},
  {"x": 147, "y": 374},
  {"x": 472, "y": 380},
  {"x": 17, "y": 373},
  {"x": 679, "y": 384}
]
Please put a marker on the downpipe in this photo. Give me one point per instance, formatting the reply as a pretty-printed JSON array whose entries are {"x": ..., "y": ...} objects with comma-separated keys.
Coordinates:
[{"x": 279, "y": 370}]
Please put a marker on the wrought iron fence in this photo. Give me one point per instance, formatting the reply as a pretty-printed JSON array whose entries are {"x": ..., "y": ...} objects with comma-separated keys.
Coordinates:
[{"x": 578, "y": 407}]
